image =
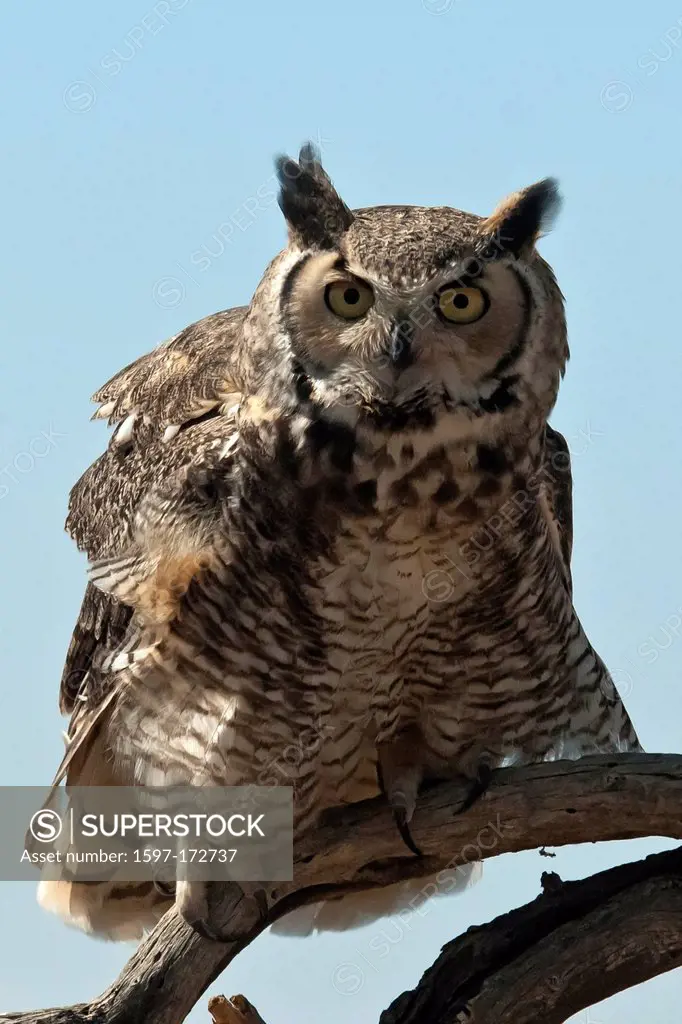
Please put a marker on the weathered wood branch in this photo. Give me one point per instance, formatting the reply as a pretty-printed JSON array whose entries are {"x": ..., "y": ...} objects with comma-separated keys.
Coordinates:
[
  {"x": 236, "y": 1010},
  {"x": 554, "y": 804},
  {"x": 575, "y": 945}
]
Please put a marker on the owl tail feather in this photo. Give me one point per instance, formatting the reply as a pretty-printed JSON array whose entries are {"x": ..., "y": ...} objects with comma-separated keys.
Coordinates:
[
  {"x": 124, "y": 911},
  {"x": 118, "y": 911},
  {"x": 115, "y": 909},
  {"x": 359, "y": 909}
]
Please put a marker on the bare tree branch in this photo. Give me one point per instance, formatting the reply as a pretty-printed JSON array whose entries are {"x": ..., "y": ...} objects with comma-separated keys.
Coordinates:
[
  {"x": 575, "y": 945},
  {"x": 553, "y": 804},
  {"x": 235, "y": 1010}
]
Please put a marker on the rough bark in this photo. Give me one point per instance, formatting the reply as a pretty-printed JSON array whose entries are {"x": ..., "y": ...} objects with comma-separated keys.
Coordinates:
[
  {"x": 553, "y": 964},
  {"x": 575, "y": 945},
  {"x": 236, "y": 1010}
]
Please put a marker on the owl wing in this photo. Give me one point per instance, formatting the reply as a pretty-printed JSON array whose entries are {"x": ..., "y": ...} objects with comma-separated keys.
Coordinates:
[
  {"x": 558, "y": 493},
  {"x": 182, "y": 379},
  {"x": 174, "y": 408}
]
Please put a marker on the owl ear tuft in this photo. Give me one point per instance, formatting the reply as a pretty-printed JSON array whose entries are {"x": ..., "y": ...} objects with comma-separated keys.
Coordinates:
[
  {"x": 522, "y": 217},
  {"x": 315, "y": 213}
]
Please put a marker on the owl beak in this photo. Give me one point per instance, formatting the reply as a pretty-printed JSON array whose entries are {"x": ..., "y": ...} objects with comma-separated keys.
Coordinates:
[{"x": 400, "y": 351}]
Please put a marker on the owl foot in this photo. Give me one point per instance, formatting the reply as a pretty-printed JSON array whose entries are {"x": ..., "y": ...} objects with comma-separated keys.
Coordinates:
[
  {"x": 201, "y": 906},
  {"x": 401, "y": 822},
  {"x": 478, "y": 787},
  {"x": 399, "y": 774}
]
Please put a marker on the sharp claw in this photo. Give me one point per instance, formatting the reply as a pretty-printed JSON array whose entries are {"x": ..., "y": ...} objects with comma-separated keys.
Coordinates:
[
  {"x": 400, "y": 818},
  {"x": 478, "y": 788},
  {"x": 399, "y": 775}
]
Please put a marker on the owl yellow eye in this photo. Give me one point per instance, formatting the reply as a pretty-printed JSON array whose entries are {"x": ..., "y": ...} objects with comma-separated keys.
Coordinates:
[
  {"x": 462, "y": 305},
  {"x": 348, "y": 299}
]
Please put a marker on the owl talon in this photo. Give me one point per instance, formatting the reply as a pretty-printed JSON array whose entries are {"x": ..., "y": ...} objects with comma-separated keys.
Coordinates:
[
  {"x": 401, "y": 821},
  {"x": 478, "y": 787},
  {"x": 399, "y": 774}
]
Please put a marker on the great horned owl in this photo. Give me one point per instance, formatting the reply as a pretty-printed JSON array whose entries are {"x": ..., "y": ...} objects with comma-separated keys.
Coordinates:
[{"x": 336, "y": 521}]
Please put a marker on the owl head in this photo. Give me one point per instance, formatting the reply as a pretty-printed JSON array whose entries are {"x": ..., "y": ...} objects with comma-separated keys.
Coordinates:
[{"x": 404, "y": 317}]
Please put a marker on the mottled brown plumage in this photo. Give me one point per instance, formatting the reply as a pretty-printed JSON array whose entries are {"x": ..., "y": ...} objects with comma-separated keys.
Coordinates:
[{"x": 337, "y": 522}]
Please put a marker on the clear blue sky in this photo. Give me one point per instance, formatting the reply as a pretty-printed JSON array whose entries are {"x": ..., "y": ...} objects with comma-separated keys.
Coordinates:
[{"x": 129, "y": 140}]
